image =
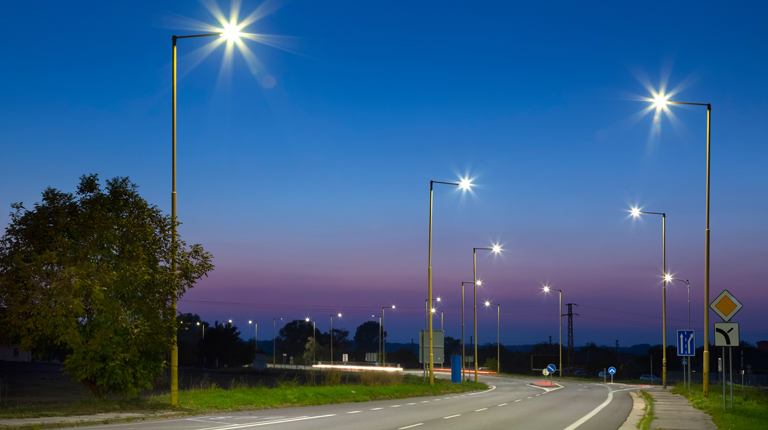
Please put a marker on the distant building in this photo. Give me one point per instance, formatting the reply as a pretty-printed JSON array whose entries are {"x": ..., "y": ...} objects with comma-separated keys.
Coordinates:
[
  {"x": 762, "y": 345},
  {"x": 11, "y": 352}
]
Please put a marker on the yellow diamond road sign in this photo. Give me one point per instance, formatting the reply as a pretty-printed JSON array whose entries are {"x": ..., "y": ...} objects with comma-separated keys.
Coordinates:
[{"x": 725, "y": 305}]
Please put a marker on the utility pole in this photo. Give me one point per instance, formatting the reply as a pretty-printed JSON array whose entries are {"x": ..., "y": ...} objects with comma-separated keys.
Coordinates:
[
  {"x": 550, "y": 344},
  {"x": 570, "y": 315},
  {"x": 618, "y": 357}
]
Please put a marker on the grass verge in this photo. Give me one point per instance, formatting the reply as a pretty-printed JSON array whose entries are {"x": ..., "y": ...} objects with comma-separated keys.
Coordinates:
[
  {"x": 240, "y": 398},
  {"x": 648, "y": 417},
  {"x": 750, "y": 405}
]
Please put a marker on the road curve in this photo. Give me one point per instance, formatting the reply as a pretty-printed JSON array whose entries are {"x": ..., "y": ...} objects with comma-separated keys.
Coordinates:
[{"x": 509, "y": 403}]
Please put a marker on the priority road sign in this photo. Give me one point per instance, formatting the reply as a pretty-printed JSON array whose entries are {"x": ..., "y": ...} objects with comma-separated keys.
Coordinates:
[
  {"x": 551, "y": 368},
  {"x": 612, "y": 370},
  {"x": 726, "y": 334},
  {"x": 725, "y": 305},
  {"x": 686, "y": 346}
]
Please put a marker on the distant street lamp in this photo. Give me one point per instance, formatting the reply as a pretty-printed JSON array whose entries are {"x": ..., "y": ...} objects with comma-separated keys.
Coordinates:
[
  {"x": 465, "y": 184},
  {"x": 255, "y": 334},
  {"x": 230, "y": 32},
  {"x": 669, "y": 278},
  {"x": 203, "y": 326},
  {"x": 496, "y": 249},
  {"x": 498, "y": 334},
  {"x": 339, "y": 315},
  {"x": 560, "y": 320},
  {"x": 314, "y": 339},
  {"x": 660, "y": 101},
  {"x": 383, "y": 338},
  {"x": 274, "y": 341},
  {"x": 636, "y": 213}
]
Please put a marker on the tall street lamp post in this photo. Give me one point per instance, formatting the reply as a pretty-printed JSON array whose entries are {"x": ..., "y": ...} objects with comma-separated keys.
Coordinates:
[
  {"x": 560, "y": 320},
  {"x": 255, "y": 334},
  {"x": 636, "y": 213},
  {"x": 231, "y": 33},
  {"x": 314, "y": 339},
  {"x": 203, "y": 326},
  {"x": 383, "y": 339},
  {"x": 496, "y": 249},
  {"x": 462, "y": 328},
  {"x": 339, "y": 315},
  {"x": 688, "y": 285},
  {"x": 274, "y": 341},
  {"x": 465, "y": 184},
  {"x": 660, "y": 102},
  {"x": 498, "y": 334}
]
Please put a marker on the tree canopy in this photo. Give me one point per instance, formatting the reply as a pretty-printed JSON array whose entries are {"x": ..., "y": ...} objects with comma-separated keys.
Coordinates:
[
  {"x": 90, "y": 272},
  {"x": 367, "y": 336}
]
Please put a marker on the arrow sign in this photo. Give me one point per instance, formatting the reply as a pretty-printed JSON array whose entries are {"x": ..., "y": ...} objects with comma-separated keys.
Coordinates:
[
  {"x": 726, "y": 334},
  {"x": 686, "y": 346},
  {"x": 551, "y": 368},
  {"x": 612, "y": 370}
]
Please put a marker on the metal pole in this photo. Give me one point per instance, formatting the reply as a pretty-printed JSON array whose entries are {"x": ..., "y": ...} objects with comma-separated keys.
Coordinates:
[
  {"x": 688, "y": 370},
  {"x": 723, "y": 373},
  {"x": 560, "y": 313},
  {"x": 429, "y": 291},
  {"x": 175, "y": 347},
  {"x": 705, "y": 385},
  {"x": 331, "y": 340},
  {"x": 498, "y": 339},
  {"x": 462, "y": 333},
  {"x": 730, "y": 371},
  {"x": 664, "y": 302},
  {"x": 474, "y": 269},
  {"x": 383, "y": 341}
]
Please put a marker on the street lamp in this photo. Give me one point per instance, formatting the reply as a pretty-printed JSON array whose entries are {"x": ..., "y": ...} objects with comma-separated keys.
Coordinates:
[
  {"x": 636, "y": 213},
  {"x": 231, "y": 33},
  {"x": 255, "y": 334},
  {"x": 383, "y": 340},
  {"x": 495, "y": 249},
  {"x": 465, "y": 184},
  {"x": 314, "y": 339},
  {"x": 274, "y": 341},
  {"x": 339, "y": 315},
  {"x": 560, "y": 319},
  {"x": 498, "y": 334},
  {"x": 661, "y": 102},
  {"x": 462, "y": 326},
  {"x": 203, "y": 326},
  {"x": 669, "y": 278}
]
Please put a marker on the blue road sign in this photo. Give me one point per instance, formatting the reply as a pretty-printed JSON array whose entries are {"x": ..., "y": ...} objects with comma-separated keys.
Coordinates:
[
  {"x": 551, "y": 368},
  {"x": 686, "y": 346},
  {"x": 685, "y": 362},
  {"x": 612, "y": 370}
]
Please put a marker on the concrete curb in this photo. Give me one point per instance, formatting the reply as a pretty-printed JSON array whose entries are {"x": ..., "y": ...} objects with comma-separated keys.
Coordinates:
[
  {"x": 81, "y": 420},
  {"x": 637, "y": 413}
]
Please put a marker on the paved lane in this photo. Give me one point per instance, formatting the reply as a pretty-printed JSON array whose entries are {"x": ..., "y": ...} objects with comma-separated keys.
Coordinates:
[{"x": 509, "y": 402}]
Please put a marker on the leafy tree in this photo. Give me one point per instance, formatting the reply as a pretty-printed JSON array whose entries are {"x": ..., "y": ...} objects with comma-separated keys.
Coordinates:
[
  {"x": 293, "y": 337},
  {"x": 90, "y": 272},
  {"x": 367, "y": 336}
]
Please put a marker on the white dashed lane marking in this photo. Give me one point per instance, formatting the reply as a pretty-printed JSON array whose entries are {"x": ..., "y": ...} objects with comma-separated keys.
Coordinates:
[
  {"x": 414, "y": 425},
  {"x": 452, "y": 416}
]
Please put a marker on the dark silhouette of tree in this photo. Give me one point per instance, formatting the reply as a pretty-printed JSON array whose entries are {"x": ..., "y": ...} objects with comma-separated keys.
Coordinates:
[
  {"x": 367, "y": 336},
  {"x": 222, "y": 343},
  {"x": 292, "y": 338}
]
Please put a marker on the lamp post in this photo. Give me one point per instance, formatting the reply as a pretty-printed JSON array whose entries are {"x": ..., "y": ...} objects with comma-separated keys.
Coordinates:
[
  {"x": 560, "y": 320},
  {"x": 314, "y": 340},
  {"x": 498, "y": 334},
  {"x": 636, "y": 213},
  {"x": 339, "y": 315},
  {"x": 661, "y": 101},
  {"x": 203, "y": 326},
  {"x": 274, "y": 341},
  {"x": 496, "y": 249},
  {"x": 255, "y": 334},
  {"x": 688, "y": 284},
  {"x": 383, "y": 335},
  {"x": 465, "y": 184},
  {"x": 231, "y": 32},
  {"x": 462, "y": 327}
]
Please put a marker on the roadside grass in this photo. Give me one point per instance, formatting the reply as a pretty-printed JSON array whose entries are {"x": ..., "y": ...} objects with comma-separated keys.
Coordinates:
[
  {"x": 750, "y": 405},
  {"x": 648, "y": 417},
  {"x": 289, "y": 393}
]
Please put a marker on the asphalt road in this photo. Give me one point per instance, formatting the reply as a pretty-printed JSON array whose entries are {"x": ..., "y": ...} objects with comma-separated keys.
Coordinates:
[{"x": 509, "y": 403}]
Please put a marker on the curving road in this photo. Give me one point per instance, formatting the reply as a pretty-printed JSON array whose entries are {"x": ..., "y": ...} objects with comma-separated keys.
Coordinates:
[{"x": 509, "y": 403}]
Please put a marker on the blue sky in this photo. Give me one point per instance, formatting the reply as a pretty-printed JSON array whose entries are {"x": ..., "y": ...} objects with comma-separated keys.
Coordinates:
[{"x": 312, "y": 193}]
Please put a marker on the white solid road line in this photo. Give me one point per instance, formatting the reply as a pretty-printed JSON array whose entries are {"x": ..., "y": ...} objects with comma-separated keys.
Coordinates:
[
  {"x": 266, "y": 423},
  {"x": 594, "y": 412},
  {"x": 452, "y": 416},
  {"x": 414, "y": 425}
]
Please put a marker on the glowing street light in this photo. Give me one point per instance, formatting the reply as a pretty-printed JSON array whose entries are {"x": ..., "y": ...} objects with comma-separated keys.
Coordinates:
[
  {"x": 465, "y": 185},
  {"x": 498, "y": 334},
  {"x": 203, "y": 326},
  {"x": 660, "y": 102},
  {"x": 255, "y": 334},
  {"x": 383, "y": 340},
  {"x": 314, "y": 339},
  {"x": 636, "y": 212},
  {"x": 495, "y": 249},
  {"x": 547, "y": 289},
  {"x": 339, "y": 315}
]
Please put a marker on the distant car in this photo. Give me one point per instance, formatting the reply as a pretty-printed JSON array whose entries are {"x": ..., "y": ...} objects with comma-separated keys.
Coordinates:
[
  {"x": 649, "y": 378},
  {"x": 601, "y": 375},
  {"x": 580, "y": 374}
]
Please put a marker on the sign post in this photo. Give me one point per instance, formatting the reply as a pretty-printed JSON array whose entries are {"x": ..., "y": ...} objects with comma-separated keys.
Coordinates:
[
  {"x": 612, "y": 371},
  {"x": 726, "y": 333},
  {"x": 686, "y": 347}
]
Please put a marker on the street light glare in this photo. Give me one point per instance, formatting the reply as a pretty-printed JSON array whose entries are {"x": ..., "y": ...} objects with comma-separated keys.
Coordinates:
[
  {"x": 668, "y": 277},
  {"x": 231, "y": 33},
  {"x": 546, "y": 288},
  {"x": 487, "y": 303},
  {"x": 434, "y": 310},
  {"x": 497, "y": 248},
  {"x": 393, "y": 306},
  {"x": 465, "y": 184},
  {"x": 306, "y": 319},
  {"x": 635, "y": 212},
  {"x": 230, "y": 321},
  {"x": 438, "y": 299},
  {"x": 660, "y": 101},
  {"x": 339, "y": 315},
  {"x": 250, "y": 322}
]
